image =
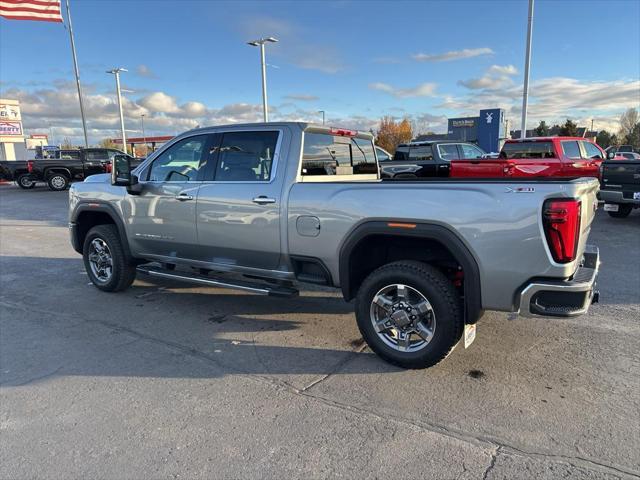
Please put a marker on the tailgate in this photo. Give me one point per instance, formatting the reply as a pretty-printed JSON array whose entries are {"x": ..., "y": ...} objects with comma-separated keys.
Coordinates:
[
  {"x": 481, "y": 168},
  {"x": 587, "y": 193},
  {"x": 622, "y": 176}
]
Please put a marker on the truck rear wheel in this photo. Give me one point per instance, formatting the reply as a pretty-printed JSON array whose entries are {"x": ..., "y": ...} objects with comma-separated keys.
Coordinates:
[
  {"x": 409, "y": 313},
  {"x": 623, "y": 211},
  {"x": 25, "y": 181},
  {"x": 105, "y": 260},
  {"x": 58, "y": 182}
]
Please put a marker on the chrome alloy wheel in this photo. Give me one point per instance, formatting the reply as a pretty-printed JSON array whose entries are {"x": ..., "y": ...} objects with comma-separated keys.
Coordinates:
[
  {"x": 403, "y": 318},
  {"x": 100, "y": 260},
  {"x": 58, "y": 182}
]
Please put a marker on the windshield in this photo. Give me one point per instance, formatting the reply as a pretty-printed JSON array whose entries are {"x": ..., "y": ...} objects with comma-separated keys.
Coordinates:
[
  {"x": 326, "y": 154},
  {"x": 527, "y": 150}
]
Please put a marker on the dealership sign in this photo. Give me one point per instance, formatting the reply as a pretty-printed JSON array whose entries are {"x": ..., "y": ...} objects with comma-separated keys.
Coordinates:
[
  {"x": 10, "y": 128},
  {"x": 463, "y": 122},
  {"x": 9, "y": 112}
]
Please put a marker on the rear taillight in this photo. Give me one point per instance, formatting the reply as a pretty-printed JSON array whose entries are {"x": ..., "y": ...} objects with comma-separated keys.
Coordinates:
[
  {"x": 30, "y": 166},
  {"x": 561, "y": 219}
]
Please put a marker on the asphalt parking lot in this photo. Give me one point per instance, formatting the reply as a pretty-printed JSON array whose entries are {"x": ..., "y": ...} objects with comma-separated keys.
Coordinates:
[{"x": 169, "y": 381}]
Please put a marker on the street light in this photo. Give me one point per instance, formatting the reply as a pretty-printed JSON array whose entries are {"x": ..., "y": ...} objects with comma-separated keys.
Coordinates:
[
  {"x": 322, "y": 112},
  {"x": 260, "y": 43},
  {"x": 116, "y": 73},
  {"x": 144, "y": 137}
]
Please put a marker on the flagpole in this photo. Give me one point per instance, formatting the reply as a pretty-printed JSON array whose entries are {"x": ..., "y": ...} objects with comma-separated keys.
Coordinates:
[
  {"x": 75, "y": 66},
  {"x": 527, "y": 64}
]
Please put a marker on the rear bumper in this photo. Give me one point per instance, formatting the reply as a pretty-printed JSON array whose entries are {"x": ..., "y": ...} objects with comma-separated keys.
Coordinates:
[
  {"x": 563, "y": 298},
  {"x": 613, "y": 196}
]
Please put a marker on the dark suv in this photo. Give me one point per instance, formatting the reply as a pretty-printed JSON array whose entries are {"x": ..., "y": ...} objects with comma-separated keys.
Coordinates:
[{"x": 427, "y": 159}]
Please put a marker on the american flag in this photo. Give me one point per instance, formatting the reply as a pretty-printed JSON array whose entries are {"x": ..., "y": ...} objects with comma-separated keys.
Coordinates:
[{"x": 41, "y": 10}]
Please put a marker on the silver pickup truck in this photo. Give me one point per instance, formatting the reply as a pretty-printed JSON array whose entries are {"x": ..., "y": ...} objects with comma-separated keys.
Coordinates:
[{"x": 261, "y": 207}]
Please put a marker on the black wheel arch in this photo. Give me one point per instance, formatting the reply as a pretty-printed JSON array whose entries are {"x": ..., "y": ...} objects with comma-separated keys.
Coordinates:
[
  {"x": 421, "y": 231},
  {"x": 87, "y": 215}
]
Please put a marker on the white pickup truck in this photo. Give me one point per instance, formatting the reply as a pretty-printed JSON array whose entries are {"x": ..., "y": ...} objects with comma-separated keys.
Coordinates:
[{"x": 261, "y": 207}]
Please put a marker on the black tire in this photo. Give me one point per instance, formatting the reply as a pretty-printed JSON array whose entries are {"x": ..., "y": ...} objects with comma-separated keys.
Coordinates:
[
  {"x": 25, "y": 181},
  {"x": 623, "y": 211},
  {"x": 123, "y": 272},
  {"x": 58, "y": 182},
  {"x": 440, "y": 293}
]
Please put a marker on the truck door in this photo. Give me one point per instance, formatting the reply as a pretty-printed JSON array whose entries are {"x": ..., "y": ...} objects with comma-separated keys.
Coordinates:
[
  {"x": 593, "y": 157},
  {"x": 162, "y": 219},
  {"x": 239, "y": 202},
  {"x": 573, "y": 164}
]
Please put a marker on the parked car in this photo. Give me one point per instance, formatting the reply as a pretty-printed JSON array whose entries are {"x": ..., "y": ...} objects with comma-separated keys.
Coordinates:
[
  {"x": 620, "y": 185},
  {"x": 427, "y": 159},
  {"x": 291, "y": 202},
  {"x": 61, "y": 168},
  {"x": 570, "y": 157},
  {"x": 629, "y": 155}
]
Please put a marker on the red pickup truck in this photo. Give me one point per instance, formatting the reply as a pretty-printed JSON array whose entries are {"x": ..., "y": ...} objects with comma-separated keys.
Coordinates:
[{"x": 536, "y": 157}]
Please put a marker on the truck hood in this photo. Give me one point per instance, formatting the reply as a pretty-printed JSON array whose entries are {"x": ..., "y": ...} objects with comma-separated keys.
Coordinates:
[{"x": 99, "y": 178}]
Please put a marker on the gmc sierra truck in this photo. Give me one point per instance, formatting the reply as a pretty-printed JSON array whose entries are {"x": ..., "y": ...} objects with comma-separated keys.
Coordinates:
[{"x": 261, "y": 207}]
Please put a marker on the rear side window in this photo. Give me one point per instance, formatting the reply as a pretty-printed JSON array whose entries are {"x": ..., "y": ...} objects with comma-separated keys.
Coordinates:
[
  {"x": 402, "y": 154},
  {"x": 70, "y": 154},
  {"x": 246, "y": 156},
  {"x": 325, "y": 154},
  {"x": 422, "y": 152},
  {"x": 448, "y": 152},
  {"x": 571, "y": 149},
  {"x": 527, "y": 150},
  {"x": 592, "y": 151},
  {"x": 96, "y": 155}
]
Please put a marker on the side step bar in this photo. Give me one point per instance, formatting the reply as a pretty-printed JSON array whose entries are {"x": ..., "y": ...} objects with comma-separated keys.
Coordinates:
[{"x": 257, "y": 288}]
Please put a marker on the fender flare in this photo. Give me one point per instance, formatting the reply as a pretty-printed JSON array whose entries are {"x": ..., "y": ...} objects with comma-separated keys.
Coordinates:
[
  {"x": 61, "y": 170},
  {"x": 100, "y": 207},
  {"x": 427, "y": 231}
]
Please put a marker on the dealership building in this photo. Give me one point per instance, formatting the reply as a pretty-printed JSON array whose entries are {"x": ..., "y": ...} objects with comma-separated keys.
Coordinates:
[{"x": 488, "y": 130}]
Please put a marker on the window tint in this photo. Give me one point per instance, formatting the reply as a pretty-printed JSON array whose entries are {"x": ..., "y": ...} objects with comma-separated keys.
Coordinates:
[
  {"x": 571, "y": 149},
  {"x": 70, "y": 154},
  {"x": 402, "y": 154},
  {"x": 448, "y": 151},
  {"x": 592, "y": 150},
  {"x": 325, "y": 154},
  {"x": 421, "y": 152},
  {"x": 246, "y": 156},
  {"x": 470, "y": 151},
  {"x": 180, "y": 162},
  {"x": 527, "y": 150},
  {"x": 96, "y": 155}
]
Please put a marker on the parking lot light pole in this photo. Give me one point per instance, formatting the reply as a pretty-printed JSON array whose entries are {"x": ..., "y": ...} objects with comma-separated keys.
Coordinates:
[
  {"x": 527, "y": 63},
  {"x": 260, "y": 43},
  {"x": 116, "y": 73},
  {"x": 144, "y": 137},
  {"x": 322, "y": 112}
]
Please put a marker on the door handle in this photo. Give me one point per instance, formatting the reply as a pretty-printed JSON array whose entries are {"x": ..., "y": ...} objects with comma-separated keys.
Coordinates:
[
  {"x": 183, "y": 197},
  {"x": 262, "y": 200}
]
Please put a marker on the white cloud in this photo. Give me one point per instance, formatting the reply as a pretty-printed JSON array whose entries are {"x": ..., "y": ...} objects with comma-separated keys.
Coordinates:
[
  {"x": 453, "y": 55},
  {"x": 144, "y": 71},
  {"x": 159, "y": 102},
  {"x": 502, "y": 70},
  {"x": 551, "y": 99},
  {"x": 422, "y": 90}
]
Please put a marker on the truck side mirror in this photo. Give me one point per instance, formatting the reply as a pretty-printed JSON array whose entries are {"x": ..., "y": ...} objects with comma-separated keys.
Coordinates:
[
  {"x": 611, "y": 155},
  {"x": 121, "y": 172}
]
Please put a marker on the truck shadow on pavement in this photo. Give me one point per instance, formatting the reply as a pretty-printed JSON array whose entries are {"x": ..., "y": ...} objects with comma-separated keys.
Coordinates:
[{"x": 167, "y": 329}]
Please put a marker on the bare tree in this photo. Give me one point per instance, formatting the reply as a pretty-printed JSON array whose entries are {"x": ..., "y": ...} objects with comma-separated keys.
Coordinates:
[{"x": 628, "y": 121}]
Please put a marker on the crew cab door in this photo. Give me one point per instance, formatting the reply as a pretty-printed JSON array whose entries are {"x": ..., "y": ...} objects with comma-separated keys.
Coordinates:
[
  {"x": 162, "y": 218},
  {"x": 239, "y": 202}
]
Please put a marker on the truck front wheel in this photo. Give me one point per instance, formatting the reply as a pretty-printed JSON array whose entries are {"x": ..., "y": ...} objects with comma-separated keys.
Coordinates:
[
  {"x": 409, "y": 313},
  {"x": 105, "y": 260},
  {"x": 58, "y": 182}
]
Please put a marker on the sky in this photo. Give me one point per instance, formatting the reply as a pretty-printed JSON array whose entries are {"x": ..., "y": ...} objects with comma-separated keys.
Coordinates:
[{"x": 189, "y": 64}]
